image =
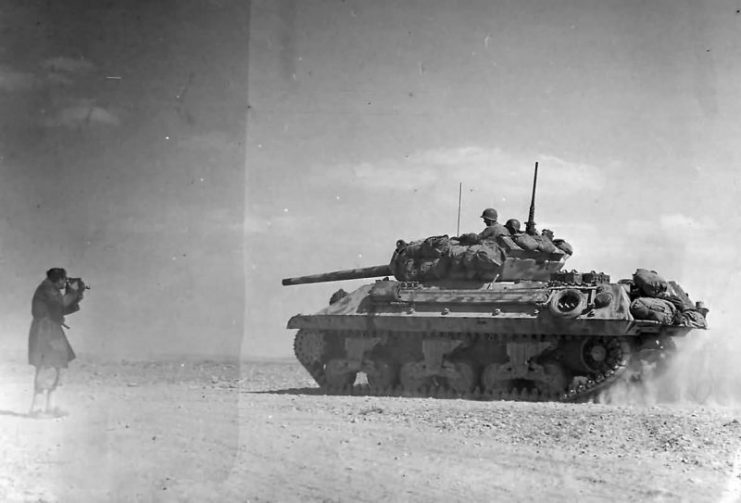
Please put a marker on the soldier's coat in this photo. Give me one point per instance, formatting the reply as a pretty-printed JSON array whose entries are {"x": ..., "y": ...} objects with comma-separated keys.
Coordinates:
[{"x": 47, "y": 344}]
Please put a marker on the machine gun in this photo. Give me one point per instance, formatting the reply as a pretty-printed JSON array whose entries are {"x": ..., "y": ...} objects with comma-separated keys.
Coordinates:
[{"x": 530, "y": 224}]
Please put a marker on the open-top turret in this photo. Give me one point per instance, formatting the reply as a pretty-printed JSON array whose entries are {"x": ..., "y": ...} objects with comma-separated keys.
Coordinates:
[
  {"x": 467, "y": 261},
  {"x": 516, "y": 265},
  {"x": 490, "y": 318},
  {"x": 466, "y": 268}
]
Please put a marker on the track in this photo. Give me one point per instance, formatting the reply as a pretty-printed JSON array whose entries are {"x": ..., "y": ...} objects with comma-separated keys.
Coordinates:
[{"x": 312, "y": 351}]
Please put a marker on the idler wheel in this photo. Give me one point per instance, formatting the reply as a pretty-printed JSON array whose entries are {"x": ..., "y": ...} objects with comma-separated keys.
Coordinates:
[
  {"x": 413, "y": 376},
  {"x": 600, "y": 354},
  {"x": 383, "y": 375},
  {"x": 464, "y": 380},
  {"x": 338, "y": 374}
]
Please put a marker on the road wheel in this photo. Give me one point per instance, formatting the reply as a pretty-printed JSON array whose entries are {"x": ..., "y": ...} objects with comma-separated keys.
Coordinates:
[
  {"x": 465, "y": 379},
  {"x": 338, "y": 375},
  {"x": 491, "y": 379},
  {"x": 413, "y": 377},
  {"x": 384, "y": 375}
]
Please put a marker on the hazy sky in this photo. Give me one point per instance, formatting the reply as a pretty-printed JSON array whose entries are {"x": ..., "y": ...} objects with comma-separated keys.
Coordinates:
[
  {"x": 124, "y": 156},
  {"x": 122, "y": 160},
  {"x": 365, "y": 117}
]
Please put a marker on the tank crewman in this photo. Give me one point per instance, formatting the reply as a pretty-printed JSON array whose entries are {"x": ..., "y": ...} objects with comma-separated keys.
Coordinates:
[
  {"x": 493, "y": 228},
  {"x": 490, "y": 234},
  {"x": 513, "y": 226},
  {"x": 521, "y": 239}
]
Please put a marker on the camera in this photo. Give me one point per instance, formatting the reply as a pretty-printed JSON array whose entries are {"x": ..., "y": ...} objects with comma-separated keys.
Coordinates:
[{"x": 78, "y": 283}]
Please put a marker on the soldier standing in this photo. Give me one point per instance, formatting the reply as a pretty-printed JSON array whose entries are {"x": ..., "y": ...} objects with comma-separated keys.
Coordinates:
[{"x": 48, "y": 347}]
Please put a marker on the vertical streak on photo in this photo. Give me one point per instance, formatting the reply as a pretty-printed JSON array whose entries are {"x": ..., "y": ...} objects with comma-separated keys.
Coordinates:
[{"x": 732, "y": 492}]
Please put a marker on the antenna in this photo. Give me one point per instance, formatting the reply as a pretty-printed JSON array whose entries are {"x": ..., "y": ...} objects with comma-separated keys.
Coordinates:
[{"x": 460, "y": 190}]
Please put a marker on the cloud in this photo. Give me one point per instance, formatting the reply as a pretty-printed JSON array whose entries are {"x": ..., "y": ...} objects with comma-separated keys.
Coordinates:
[
  {"x": 286, "y": 223},
  {"x": 11, "y": 80},
  {"x": 389, "y": 176},
  {"x": 59, "y": 71},
  {"x": 81, "y": 115},
  {"x": 477, "y": 168},
  {"x": 677, "y": 222},
  {"x": 60, "y": 79},
  {"x": 459, "y": 156},
  {"x": 62, "y": 70},
  {"x": 254, "y": 224},
  {"x": 212, "y": 140},
  {"x": 673, "y": 225},
  {"x": 572, "y": 176},
  {"x": 219, "y": 219},
  {"x": 66, "y": 64},
  {"x": 700, "y": 240}
]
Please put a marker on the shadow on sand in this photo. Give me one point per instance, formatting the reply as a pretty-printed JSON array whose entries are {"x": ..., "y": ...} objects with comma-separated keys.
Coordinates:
[
  {"x": 364, "y": 391},
  {"x": 12, "y": 413},
  {"x": 290, "y": 391},
  {"x": 38, "y": 415}
]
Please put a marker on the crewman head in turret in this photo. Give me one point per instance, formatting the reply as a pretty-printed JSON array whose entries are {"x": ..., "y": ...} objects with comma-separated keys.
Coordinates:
[
  {"x": 493, "y": 228},
  {"x": 513, "y": 226},
  {"x": 490, "y": 216}
]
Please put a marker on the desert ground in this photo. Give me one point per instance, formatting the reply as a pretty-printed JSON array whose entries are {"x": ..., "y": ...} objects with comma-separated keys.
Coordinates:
[{"x": 259, "y": 431}]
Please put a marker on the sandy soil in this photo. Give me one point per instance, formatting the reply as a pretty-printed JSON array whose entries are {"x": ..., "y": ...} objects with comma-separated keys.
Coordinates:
[{"x": 208, "y": 431}]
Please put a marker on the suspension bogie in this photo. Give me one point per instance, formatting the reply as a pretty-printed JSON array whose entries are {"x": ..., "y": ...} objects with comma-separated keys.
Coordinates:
[{"x": 534, "y": 366}]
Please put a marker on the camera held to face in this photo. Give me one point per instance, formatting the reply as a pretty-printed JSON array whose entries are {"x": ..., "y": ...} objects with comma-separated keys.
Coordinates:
[{"x": 76, "y": 284}]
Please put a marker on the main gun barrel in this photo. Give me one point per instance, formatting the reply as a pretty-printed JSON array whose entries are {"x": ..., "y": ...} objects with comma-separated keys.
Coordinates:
[{"x": 364, "y": 272}]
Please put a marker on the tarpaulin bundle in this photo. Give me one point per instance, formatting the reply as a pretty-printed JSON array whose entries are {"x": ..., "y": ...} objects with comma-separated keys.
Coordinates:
[
  {"x": 416, "y": 269},
  {"x": 656, "y": 299},
  {"x": 439, "y": 257},
  {"x": 693, "y": 319},
  {"x": 649, "y": 282},
  {"x": 432, "y": 247},
  {"x": 563, "y": 246},
  {"x": 525, "y": 241},
  {"x": 650, "y": 308}
]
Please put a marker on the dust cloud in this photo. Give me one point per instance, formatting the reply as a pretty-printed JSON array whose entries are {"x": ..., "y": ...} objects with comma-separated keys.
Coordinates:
[{"x": 703, "y": 371}]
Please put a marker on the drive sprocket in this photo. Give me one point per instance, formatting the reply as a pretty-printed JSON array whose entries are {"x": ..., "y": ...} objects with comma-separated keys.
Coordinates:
[{"x": 309, "y": 346}]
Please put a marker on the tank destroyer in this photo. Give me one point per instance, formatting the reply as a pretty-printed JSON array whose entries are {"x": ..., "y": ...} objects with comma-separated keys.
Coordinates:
[{"x": 492, "y": 320}]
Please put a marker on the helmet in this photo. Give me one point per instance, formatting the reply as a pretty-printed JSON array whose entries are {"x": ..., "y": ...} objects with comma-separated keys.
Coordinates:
[
  {"x": 489, "y": 214},
  {"x": 513, "y": 224}
]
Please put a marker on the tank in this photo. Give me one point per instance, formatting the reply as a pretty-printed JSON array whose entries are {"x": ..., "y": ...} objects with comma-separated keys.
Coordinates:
[{"x": 453, "y": 317}]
